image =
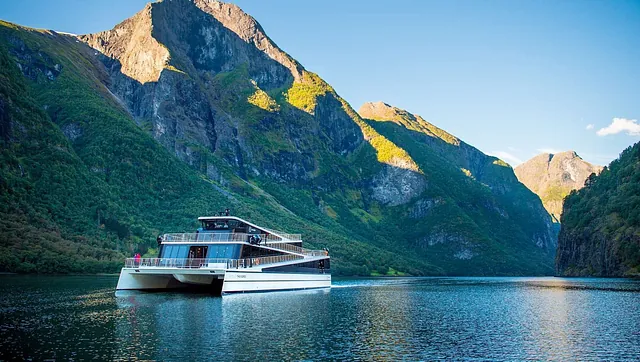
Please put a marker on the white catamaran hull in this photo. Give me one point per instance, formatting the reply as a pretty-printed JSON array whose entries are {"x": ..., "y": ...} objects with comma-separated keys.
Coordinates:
[
  {"x": 234, "y": 281},
  {"x": 241, "y": 282},
  {"x": 131, "y": 280}
]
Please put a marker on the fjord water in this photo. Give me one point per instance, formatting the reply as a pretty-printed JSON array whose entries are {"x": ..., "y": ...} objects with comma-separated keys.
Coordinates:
[{"x": 363, "y": 319}]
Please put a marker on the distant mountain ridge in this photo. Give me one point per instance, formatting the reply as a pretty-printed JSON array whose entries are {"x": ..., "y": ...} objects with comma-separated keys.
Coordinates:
[
  {"x": 554, "y": 176},
  {"x": 188, "y": 107},
  {"x": 472, "y": 185}
]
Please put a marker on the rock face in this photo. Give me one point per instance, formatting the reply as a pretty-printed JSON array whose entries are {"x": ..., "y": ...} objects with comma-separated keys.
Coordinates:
[
  {"x": 485, "y": 190},
  {"x": 141, "y": 56},
  {"x": 187, "y": 69},
  {"x": 600, "y": 232},
  {"x": 553, "y": 176},
  {"x": 463, "y": 156},
  {"x": 197, "y": 91}
]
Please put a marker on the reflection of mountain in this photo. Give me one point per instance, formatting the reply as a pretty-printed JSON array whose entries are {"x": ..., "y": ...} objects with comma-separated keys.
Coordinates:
[{"x": 364, "y": 319}]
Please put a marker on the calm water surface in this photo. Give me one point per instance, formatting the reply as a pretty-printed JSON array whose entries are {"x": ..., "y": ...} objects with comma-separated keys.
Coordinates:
[{"x": 384, "y": 319}]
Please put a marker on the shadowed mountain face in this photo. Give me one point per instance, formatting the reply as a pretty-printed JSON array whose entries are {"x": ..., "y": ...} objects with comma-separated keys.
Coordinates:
[
  {"x": 554, "y": 176},
  {"x": 188, "y": 107},
  {"x": 481, "y": 188},
  {"x": 600, "y": 233}
]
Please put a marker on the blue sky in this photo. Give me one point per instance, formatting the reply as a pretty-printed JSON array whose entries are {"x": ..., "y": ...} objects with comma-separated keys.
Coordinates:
[{"x": 513, "y": 78}]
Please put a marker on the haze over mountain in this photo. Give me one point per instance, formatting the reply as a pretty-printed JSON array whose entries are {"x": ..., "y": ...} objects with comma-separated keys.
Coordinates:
[
  {"x": 189, "y": 107},
  {"x": 553, "y": 176}
]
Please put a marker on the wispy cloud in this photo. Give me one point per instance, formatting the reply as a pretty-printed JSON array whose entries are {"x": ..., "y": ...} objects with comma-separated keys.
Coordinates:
[
  {"x": 618, "y": 125},
  {"x": 508, "y": 157},
  {"x": 550, "y": 150},
  {"x": 590, "y": 126}
]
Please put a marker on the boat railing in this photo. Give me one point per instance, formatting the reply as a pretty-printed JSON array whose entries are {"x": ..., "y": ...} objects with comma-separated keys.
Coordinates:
[
  {"x": 267, "y": 240},
  {"x": 315, "y": 252},
  {"x": 226, "y": 237},
  {"x": 196, "y": 263}
]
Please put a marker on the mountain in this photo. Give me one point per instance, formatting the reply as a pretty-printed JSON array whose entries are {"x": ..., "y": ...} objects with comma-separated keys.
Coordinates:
[
  {"x": 600, "y": 233},
  {"x": 188, "y": 107},
  {"x": 473, "y": 204},
  {"x": 554, "y": 176}
]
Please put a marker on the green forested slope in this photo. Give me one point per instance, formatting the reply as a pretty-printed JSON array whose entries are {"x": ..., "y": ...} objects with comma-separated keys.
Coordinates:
[
  {"x": 81, "y": 203},
  {"x": 600, "y": 233},
  {"x": 150, "y": 146},
  {"x": 472, "y": 197}
]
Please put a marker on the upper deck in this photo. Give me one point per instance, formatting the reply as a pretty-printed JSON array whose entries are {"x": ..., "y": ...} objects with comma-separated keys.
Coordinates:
[
  {"x": 236, "y": 225},
  {"x": 248, "y": 238}
]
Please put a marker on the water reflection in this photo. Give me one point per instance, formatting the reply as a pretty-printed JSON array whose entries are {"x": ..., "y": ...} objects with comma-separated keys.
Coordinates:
[{"x": 382, "y": 319}]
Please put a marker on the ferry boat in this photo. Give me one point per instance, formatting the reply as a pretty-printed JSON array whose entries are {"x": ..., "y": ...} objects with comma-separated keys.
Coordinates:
[{"x": 229, "y": 255}]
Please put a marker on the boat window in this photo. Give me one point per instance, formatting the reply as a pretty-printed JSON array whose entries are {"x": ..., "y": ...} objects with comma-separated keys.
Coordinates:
[
  {"x": 313, "y": 267},
  {"x": 168, "y": 250},
  {"x": 174, "y": 251},
  {"x": 225, "y": 251},
  {"x": 182, "y": 251}
]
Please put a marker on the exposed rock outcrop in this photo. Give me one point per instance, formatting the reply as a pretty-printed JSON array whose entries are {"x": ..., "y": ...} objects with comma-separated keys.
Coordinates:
[
  {"x": 187, "y": 69},
  {"x": 447, "y": 161},
  {"x": 553, "y": 176},
  {"x": 140, "y": 55}
]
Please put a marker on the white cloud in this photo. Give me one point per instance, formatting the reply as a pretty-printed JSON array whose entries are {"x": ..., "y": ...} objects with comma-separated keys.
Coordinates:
[
  {"x": 590, "y": 127},
  {"x": 506, "y": 156},
  {"x": 629, "y": 126},
  {"x": 550, "y": 150}
]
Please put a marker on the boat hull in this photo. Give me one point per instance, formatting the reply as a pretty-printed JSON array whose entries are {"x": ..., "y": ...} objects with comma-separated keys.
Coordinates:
[
  {"x": 132, "y": 280},
  {"x": 244, "y": 282},
  {"x": 233, "y": 280}
]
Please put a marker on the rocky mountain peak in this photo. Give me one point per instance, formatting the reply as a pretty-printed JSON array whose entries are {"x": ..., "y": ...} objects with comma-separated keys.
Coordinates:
[
  {"x": 209, "y": 32},
  {"x": 249, "y": 30},
  {"x": 553, "y": 176},
  {"x": 378, "y": 111},
  {"x": 141, "y": 56}
]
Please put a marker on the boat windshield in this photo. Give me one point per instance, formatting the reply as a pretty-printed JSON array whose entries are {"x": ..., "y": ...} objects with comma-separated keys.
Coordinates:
[
  {"x": 215, "y": 224},
  {"x": 226, "y": 224}
]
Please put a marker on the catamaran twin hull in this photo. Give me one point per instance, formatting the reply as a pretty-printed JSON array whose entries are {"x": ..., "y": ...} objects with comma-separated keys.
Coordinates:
[
  {"x": 147, "y": 276},
  {"x": 229, "y": 255}
]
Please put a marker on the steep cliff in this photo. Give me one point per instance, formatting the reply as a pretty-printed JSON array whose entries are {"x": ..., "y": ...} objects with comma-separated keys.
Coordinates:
[
  {"x": 82, "y": 185},
  {"x": 553, "y": 176},
  {"x": 188, "y": 107},
  {"x": 473, "y": 201},
  {"x": 600, "y": 233}
]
